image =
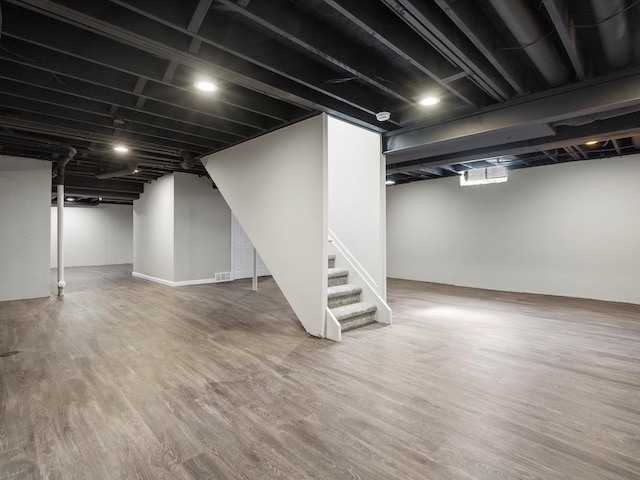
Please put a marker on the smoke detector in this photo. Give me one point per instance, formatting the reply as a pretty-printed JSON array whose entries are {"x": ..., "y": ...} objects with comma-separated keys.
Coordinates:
[{"x": 383, "y": 116}]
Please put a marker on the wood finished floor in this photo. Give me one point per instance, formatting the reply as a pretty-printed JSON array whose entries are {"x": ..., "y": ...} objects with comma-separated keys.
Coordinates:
[{"x": 127, "y": 379}]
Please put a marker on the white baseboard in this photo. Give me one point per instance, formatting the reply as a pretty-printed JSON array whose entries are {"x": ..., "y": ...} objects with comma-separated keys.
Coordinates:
[{"x": 182, "y": 283}]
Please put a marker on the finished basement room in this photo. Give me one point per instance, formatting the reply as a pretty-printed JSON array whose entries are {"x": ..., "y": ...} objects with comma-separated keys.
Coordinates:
[{"x": 319, "y": 239}]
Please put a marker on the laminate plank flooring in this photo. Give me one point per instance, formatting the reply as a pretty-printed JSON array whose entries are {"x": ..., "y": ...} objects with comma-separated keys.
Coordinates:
[{"x": 128, "y": 379}]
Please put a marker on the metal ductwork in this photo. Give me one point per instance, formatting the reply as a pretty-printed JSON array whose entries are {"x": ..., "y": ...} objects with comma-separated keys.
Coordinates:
[
  {"x": 187, "y": 161},
  {"x": 522, "y": 23},
  {"x": 614, "y": 31},
  {"x": 71, "y": 152},
  {"x": 586, "y": 119},
  {"x": 128, "y": 170}
]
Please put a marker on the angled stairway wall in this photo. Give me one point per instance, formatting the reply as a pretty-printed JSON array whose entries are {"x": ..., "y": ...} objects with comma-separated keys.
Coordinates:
[
  {"x": 277, "y": 187},
  {"x": 280, "y": 188}
]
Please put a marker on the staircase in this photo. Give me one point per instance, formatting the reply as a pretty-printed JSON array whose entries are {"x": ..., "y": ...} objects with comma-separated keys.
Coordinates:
[{"x": 344, "y": 300}]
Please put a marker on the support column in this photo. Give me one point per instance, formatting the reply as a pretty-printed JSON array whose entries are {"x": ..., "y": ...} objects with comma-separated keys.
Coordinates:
[
  {"x": 255, "y": 270},
  {"x": 61, "y": 282}
]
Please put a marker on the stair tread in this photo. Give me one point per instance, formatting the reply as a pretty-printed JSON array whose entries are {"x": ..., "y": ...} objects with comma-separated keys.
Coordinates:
[
  {"x": 357, "y": 322},
  {"x": 340, "y": 290},
  {"x": 353, "y": 310},
  {"x": 332, "y": 256},
  {"x": 337, "y": 272}
]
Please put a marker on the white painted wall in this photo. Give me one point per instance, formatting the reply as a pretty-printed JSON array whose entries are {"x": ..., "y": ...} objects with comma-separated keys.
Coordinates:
[
  {"x": 181, "y": 231},
  {"x": 277, "y": 187},
  {"x": 153, "y": 227},
  {"x": 101, "y": 235},
  {"x": 25, "y": 200},
  {"x": 357, "y": 196},
  {"x": 202, "y": 236},
  {"x": 571, "y": 229}
]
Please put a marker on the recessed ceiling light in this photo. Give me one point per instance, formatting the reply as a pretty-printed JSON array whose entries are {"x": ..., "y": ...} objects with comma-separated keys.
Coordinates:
[
  {"x": 121, "y": 149},
  {"x": 592, "y": 142},
  {"x": 429, "y": 101},
  {"x": 206, "y": 86}
]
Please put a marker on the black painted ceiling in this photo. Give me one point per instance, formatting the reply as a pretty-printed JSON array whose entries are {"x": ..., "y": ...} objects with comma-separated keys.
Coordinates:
[{"x": 521, "y": 82}]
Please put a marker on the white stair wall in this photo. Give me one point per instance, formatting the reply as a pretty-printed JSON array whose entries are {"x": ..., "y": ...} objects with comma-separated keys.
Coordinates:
[
  {"x": 276, "y": 185},
  {"x": 357, "y": 198}
]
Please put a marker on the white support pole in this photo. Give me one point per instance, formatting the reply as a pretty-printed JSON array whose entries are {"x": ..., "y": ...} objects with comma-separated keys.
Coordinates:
[
  {"x": 255, "y": 270},
  {"x": 61, "y": 282}
]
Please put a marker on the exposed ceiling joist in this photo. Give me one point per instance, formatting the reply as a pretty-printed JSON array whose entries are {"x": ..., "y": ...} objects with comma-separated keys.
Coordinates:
[{"x": 93, "y": 74}]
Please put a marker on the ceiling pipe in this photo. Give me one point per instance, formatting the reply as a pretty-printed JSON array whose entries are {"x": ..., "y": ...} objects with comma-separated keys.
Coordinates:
[
  {"x": 187, "y": 161},
  {"x": 520, "y": 20},
  {"x": 614, "y": 31},
  {"x": 71, "y": 152},
  {"x": 60, "y": 201},
  {"x": 128, "y": 170}
]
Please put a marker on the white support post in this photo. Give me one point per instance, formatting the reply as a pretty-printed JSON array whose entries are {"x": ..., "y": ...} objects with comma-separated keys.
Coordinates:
[
  {"x": 61, "y": 282},
  {"x": 255, "y": 270}
]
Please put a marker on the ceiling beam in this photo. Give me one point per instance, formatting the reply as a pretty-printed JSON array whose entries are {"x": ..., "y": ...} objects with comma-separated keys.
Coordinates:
[
  {"x": 609, "y": 129},
  {"x": 104, "y": 186},
  {"x": 72, "y": 190},
  {"x": 494, "y": 125}
]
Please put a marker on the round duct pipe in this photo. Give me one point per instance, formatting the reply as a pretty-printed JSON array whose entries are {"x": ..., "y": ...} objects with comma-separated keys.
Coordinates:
[
  {"x": 614, "y": 31},
  {"x": 520, "y": 20},
  {"x": 128, "y": 170},
  {"x": 187, "y": 161}
]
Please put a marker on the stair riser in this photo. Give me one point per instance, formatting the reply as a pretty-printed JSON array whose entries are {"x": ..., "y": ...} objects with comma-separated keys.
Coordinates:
[
  {"x": 332, "y": 262},
  {"x": 343, "y": 300},
  {"x": 338, "y": 281},
  {"x": 355, "y": 322}
]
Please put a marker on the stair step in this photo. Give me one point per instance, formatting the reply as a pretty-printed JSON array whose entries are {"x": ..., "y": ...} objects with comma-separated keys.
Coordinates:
[
  {"x": 340, "y": 295},
  {"x": 355, "y": 315},
  {"x": 337, "y": 276},
  {"x": 332, "y": 260}
]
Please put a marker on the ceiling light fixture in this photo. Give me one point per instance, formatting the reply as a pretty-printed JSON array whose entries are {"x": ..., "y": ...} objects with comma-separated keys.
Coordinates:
[
  {"x": 591, "y": 142},
  {"x": 206, "y": 86},
  {"x": 70, "y": 199},
  {"x": 383, "y": 116},
  {"x": 390, "y": 182},
  {"x": 121, "y": 149},
  {"x": 429, "y": 101}
]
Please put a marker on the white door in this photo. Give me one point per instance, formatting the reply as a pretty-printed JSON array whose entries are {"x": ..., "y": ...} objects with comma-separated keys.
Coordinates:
[{"x": 242, "y": 253}]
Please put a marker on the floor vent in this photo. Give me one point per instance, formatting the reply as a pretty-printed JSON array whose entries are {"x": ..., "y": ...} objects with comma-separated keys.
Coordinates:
[{"x": 223, "y": 277}]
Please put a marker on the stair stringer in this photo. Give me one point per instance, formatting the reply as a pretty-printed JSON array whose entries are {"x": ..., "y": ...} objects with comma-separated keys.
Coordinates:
[
  {"x": 358, "y": 276},
  {"x": 334, "y": 330}
]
